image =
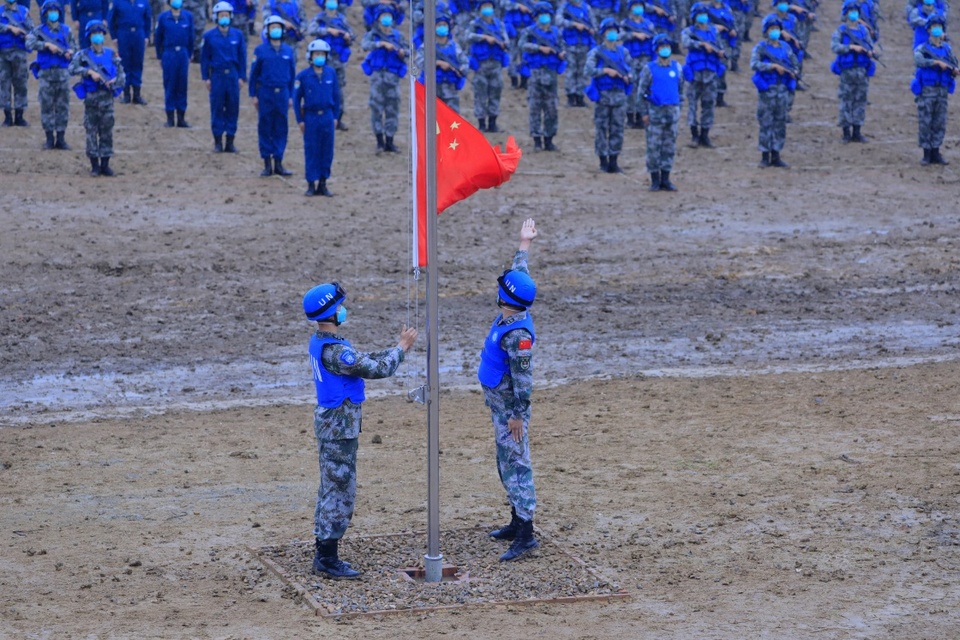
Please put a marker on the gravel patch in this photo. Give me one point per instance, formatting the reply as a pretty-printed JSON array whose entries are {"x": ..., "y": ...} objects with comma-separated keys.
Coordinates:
[{"x": 549, "y": 573}]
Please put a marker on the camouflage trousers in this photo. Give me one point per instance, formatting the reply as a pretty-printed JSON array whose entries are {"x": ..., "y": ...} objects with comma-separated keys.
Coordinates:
[
  {"x": 13, "y": 76},
  {"x": 741, "y": 22},
  {"x": 384, "y": 102},
  {"x": 633, "y": 100},
  {"x": 199, "y": 10},
  {"x": 337, "y": 493},
  {"x": 853, "y": 96},
  {"x": 702, "y": 91},
  {"x": 54, "y": 98},
  {"x": 574, "y": 78},
  {"x": 662, "y": 137},
  {"x": 772, "y": 107},
  {"x": 542, "y": 99},
  {"x": 516, "y": 58},
  {"x": 450, "y": 95},
  {"x": 98, "y": 122},
  {"x": 513, "y": 458},
  {"x": 932, "y": 116},
  {"x": 487, "y": 88},
  {"x": 608, "y": 118}
]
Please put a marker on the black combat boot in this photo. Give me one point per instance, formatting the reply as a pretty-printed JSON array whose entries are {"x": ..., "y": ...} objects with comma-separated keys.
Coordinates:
[
  {"x": 379, "y": 143},
  {"x": 137, "y": 98},
  {"x": 654, "y": 181},
  {"x": 229, "y": 148},
  {"x": 322, "y": 188},
  {"x": 105, "y": 169},
  {"x": 492, "y": 125},
  {"x": 604, "y": 164},
  {"x": 61, "y": 143},
  {"x": 537, "y": 144},
  {"x": 326, "y": 561},
  {"x": 571, "y": 100},
  {"x": 181, "y": 119},
  {"x": 581, "y": 100},
  {"x": 126, "y": 95},
  {"x": 170, "y": 122},
  {"x": 481, "y": 124},
  {"x": 267, "y": 168},
  {"x": 18, "y": 120},
  {"x": 735, "y": 66},
  {"x": 720, "y": 101},
  {"x": 388, "y": 145},
  {"x": 775, "y": 160},
  {"x": 548, "y": 144},
  {"x": 507, "y": 532},
  {"x": 926, "y": 157},
  {"x": 612, "y": 166},
  {"x": 764, "y": 160},
  {"x": 665, "y": 184},
  {"x": 7, "y": 118},
  {"x": 218, "y": 144},
  {"x": 857, "y": 135},
  {"x": 514, "y": 82},
  {"x": 694, "y": 135},
  {"x": 705, "y": 138},
  {"x": 522, "y": 543},
  {"x": 278, "y": 168},
  {"x": 49, "y": 143},
  {"x": 341, "y": 125},
  {"x": 311, "y": 189},
  {"x": 523, "y": 82},
  {"x": 936, "y": 158},
  {"x": 846, "y": 133},
  {"x": 94, "y": 166}
]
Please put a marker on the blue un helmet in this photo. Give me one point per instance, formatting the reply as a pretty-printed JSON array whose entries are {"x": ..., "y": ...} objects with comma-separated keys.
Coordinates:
[
  {"x": 936, "y": 18},
  {"x": 321, "y": 302},
  {"x": 849, "y": 4},
  {"x": 381, "y": 9},
  {"x": 516, "y": 289},
  {"x": 609, "y": 23},
  {"x": 50, "y": 5},
  {"x": 699, "y": 7},
  {"x": 772, "y": 20},
  {"x": 94, "y": 26},
  {"x": 543, "y": 7},
  {"x": 660, "y": 40}
]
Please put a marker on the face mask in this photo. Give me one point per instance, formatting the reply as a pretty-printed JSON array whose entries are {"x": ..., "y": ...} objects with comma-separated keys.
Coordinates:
[
  {"x": 929, "y": 3},
  {"x": 223, "y": 22},
  {"x": 276, "y": 34},
  {"x": 664, "y": 52},
  {"x": 783, "y": 7},
  {"x": 637, "y": 9},
  {"x": 774, "y": 34},
  {"x": 486, "y": 11},
  {"x": 332, "y": 6},
  {"x": 854, "y": 16},
  {"x": 97, "y": 38},
  {"x": 611, "y": 36},
  {"x": 176, "y": 4},
  {"x": 53, "y": 16},
  {"x": 319, "y": 61},
  {"x": 386, "y": 21},
  {"x": 937, "y": 32},
  {"x": 341, "y": 315},
  {"x": 703, "y": 18},
  {"x": 544, "y": 18},
  {"x": 443, "y": 30}
]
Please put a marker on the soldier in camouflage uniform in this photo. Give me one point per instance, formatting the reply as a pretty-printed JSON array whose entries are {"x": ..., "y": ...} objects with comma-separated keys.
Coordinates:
[
  {"x": 386, "y": 65},
  {"x": 543, "y": 60},
  {"x": 294, "y": 19},
  {"x": 702, "y": 70},
  {"x": 452, "y": 65},
  {"x": 198, "y": 9},
  {"x": 339, "y": 371},
  {"x": 661, "y": 85},
  {"x": 775, "y": 76},
  {"x": 935, "y": 80},
  {"x": 609, "y": 67},
  {"x": 55, "y": 43},
  {"x": 855, "y": 66},
  {"x": 506, "y": 376},
  {"x": 578, "y": 26},
  {"x": 15, "y": 24},
  {"x": 102, "y": 81},
  {"x": 488, "y": 56}
]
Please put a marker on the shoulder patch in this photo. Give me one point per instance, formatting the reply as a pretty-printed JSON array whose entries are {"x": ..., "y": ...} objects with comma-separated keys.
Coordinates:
[
  {"x": 524, "y": 363},
  {"x": 348, "y": 357},
  {"x": 525, "y": 344}
]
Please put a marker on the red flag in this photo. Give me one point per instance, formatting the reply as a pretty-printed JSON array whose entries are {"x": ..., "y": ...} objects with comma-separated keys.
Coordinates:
[{"x": 466, "y": 163}]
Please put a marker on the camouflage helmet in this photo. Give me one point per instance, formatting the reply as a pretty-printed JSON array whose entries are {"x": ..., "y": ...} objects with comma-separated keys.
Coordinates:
[{"x": 772, "y": 20}]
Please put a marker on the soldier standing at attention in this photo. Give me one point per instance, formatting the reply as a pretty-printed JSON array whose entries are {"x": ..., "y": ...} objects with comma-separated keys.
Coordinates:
[
  {"x": 130, "y": 22},
  {"x": 702, "y": 71},
  {"x": 775, "y": 76},
  {"x": 543, "y": 61},
  {"x": 506, "y": 376},
  {"x": 198, "y": 9},
  {"x": 294, "y": 20},
  {"x": 174, "y": 42},
  {"x": 317, "y": 105},
  {"x": 935, "y": 80},
  {"x": 385, "y": 65},
  {"x": 55, "y": 45},
  {"x": 339, "y": 371},
  {"x": 609, "y": 67},
  {"x": 855, "y": 66},
  {"x": 518, "y": 15},
  {"x": 272, "y": 75},
  {"x": 15, "y": 25},
  {"x": 452, "y": 65},
  {"x": 661, "y": 85},
  {"x": 489, "y": 54},
  {"x": 638, "y": 34},
  {"x": 223, "y": 65},
  {"x": 575, "y": 20},
  {"x": 102, "y": 81},
  {"x": 86, "y": 11},
  {"x": 331, "y": 26}
]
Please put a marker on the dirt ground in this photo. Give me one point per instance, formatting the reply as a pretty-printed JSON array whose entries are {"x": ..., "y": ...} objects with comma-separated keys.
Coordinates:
[{"x": 747, "y": 411}]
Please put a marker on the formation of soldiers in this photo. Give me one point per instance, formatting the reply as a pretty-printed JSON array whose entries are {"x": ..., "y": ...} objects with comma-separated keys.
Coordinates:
[{"x": 620, "y": 55}]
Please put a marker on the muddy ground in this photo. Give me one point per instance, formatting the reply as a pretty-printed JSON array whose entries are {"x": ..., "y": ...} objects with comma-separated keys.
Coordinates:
[{"x": 749, "y": 409}]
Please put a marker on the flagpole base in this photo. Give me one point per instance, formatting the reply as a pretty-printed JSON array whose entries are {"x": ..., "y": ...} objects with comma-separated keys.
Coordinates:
[{"x": 433, "y": 568}]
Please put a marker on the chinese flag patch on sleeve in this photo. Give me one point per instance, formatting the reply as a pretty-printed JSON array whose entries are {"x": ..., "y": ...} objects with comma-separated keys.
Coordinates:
[{"x": 525, "y": 344}]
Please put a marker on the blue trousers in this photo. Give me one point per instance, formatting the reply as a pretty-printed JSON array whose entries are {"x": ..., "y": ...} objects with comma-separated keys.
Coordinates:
[
  {"x": 318, "y": 145},
  {"x": 131, "y": 45},
  {"x": 176, "y": 68},
  {"x": 224, "y": 102},
  {"x": 272, "y": 122}
]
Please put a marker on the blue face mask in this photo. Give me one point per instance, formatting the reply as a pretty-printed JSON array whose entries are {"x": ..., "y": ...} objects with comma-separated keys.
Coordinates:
[
  {"x": 176, "y": 4},
  {"x": 341, "y": 315},
  {"x": 319, "y": 61},
  {"x": 544, "y": 18},
  {"x": 53, "y": 16},
  {"x": 97, "y": 38},
  {"x": 637, "y": 9},
  {"x": 224, "y": 21},
  {"x": 443, "y": 30},
  {"x": 332, "y": 6},
  {"x": 611, "y": 36},
  {"x": 929, "y": 3},
  {"x": 702, "y": 18},
  {"x": 853, "y": 16},
  {"x": 276, "y": 34},
  {"x": 774, "y": 34},
  {"x": 937, "y": 32},
  {"x": 386, "y": 21},
  {"x": 664, "y": 52},
  {"x": 486, "y": 11},
  {"x": 783, "y": 7}
]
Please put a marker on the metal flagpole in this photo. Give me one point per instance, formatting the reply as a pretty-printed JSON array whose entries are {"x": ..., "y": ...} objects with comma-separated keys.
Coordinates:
[{"x": 433, "y": 561}]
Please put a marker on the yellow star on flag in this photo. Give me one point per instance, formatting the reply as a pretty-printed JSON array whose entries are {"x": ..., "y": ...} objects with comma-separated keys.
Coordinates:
[{"x": 454, "y": 144}]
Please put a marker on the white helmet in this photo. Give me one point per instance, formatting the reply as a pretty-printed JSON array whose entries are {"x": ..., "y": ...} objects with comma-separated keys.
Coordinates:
[
  {"x": 274, "y": 20},
  {"x": 317, "y": 45},
  {"x": 221, "y": 7}
]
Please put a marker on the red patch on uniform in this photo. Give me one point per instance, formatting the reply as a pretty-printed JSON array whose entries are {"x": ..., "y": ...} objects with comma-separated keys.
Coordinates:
[{"x": 526, "y": 344}]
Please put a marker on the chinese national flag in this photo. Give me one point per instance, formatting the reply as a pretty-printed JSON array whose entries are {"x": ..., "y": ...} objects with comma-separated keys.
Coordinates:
[{"x": 465, "y": 163}]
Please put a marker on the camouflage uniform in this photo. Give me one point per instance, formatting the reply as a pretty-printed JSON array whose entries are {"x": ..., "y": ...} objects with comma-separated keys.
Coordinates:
[
  {"x": 663, "y": 126},
  {"x": 13, "y": 60},
  {"x": 575, "y": 79},
  {"x": 384, "y": 99},
  {"x": 338, "y": 429},
  {"x": 610, "y": 111},
  {"x": 487, "y": 74},
  {"x": 773, "y": 105},
  {"x": 543, "y": 89},
  {"x": 54, "y": 94},
  {"x": 198, "y": 8},
  {"x": 448, "y": 92},
  {"x": 98, "y": 116},
  {"x": 933, "y": 98},
  {"x": 854, "y": 81},
  {"x": 511, "y": 399},
  {"x": 702, "y": 90},
  {"x": 298, "y": 17}
]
